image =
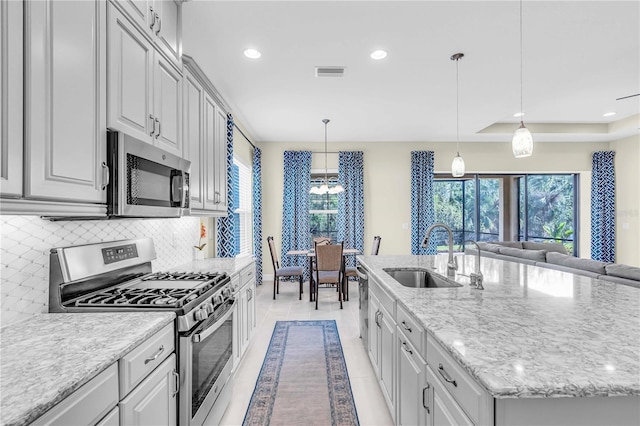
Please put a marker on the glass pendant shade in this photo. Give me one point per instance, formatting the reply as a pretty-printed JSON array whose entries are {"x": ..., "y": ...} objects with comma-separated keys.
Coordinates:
[
  {"x": 324, "y": 188},
  {"x": 522, "y": 142},
  {"x": 336, "y": 189},
  {"x": 457, "y": 166}
]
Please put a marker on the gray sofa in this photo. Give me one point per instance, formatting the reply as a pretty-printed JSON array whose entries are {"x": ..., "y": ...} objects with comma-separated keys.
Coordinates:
[{"x": 555, "y": 256}]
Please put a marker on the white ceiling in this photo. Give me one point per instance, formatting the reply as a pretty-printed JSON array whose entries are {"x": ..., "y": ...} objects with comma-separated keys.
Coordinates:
[{"x": 579, "y": 56}]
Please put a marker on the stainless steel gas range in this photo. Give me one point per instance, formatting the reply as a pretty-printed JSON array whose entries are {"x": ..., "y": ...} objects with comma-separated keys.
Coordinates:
[{"x": 117, "y": 276}]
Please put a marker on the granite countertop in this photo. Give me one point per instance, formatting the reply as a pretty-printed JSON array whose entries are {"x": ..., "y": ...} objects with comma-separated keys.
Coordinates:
[
  {"x": 230, "y": 265},
  {"x": 49, "y": 356},
  {"x": 533, "y": 331}
]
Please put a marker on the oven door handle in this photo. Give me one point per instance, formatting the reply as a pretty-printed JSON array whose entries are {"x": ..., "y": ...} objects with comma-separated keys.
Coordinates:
[{"x": 198, "y": 337}]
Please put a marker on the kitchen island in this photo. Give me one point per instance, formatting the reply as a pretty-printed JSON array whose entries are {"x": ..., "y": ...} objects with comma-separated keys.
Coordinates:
[{"x": 532, "y": 333}]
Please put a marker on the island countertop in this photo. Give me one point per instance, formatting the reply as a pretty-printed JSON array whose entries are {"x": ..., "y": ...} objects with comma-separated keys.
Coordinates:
[
  {"x": 47, "y": 357},
  {"x": 532, "y": 332}
]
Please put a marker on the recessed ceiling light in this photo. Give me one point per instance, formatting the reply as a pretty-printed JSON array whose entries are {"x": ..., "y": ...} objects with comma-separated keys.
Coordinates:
[
  {"x": 518, "y": 114},
  {"x": 608, "y": 114},
  {"x": 252, "y": 53},
  {"x": 378, "y": 54}
]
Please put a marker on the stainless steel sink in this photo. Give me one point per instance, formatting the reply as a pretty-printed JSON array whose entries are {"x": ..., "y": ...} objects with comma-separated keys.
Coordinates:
[{"x": 419, "y": 278}]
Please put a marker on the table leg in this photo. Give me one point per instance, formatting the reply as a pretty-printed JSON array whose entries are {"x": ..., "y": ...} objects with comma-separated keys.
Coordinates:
[{"x": 311, "y": 286}]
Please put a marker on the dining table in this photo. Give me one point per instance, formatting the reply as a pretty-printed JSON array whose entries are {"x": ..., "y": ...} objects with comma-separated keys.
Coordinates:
[{"x": 310, "y": 254}]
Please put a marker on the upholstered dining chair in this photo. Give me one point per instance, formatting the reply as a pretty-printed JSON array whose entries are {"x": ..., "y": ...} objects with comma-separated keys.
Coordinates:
[
  {"x": 351, "y": 271},
  {"x": 329, "y": 267},
  {"x": 286, "y": 271}
]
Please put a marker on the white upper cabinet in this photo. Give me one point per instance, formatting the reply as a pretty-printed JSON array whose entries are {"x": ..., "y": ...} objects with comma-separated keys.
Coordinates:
[
  {"x": 144, "y": 89},
  {"x": 160, "y": 20},
  {"x": 65, "y": 92},
  {"x": 12, "y": 99},
  {"x": 205, "y": 143}
]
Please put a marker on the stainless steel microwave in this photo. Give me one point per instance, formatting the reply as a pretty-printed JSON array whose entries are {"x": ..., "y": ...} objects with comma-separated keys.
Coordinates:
[{"x": 145, "y": 181}]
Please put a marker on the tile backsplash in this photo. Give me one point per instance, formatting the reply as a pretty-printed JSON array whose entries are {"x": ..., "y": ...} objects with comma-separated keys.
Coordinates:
[{"x": 25, "y": 242}]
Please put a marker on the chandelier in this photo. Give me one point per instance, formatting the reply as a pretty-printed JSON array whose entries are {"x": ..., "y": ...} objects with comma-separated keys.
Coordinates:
[{"x": 324, "y": 188}]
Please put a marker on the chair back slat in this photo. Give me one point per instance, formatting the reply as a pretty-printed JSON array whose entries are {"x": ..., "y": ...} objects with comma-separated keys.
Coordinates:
[
  {"x": 376, "y": 245},
  {"x": 328, "y": 257},
  {"x": 322, "y": 240},
  {"x": 274, "y": 254}
]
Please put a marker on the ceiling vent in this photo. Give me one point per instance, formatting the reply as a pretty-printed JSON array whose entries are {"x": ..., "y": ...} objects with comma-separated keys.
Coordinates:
[{"x": 329, "y": 71}]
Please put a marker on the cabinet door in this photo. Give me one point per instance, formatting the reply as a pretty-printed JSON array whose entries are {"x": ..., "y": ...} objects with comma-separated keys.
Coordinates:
[
  {"x": 167, "y": 28},
  {"x": 220, "y": 161},
  {"x": 140, "y": 11},
  {"x": 194, "y": 150},
  {"x": 251, "y": 315},
  {"x": 445, "y": 410},
  {"x": 130, "y": 62},
  {"x": 65, "y": 88},
  {"x": 154, "y": 401},
  {"x": 12, "y": 98},
  {"x": 209, "y": 147},
  {"x": 167, "y": 101},
  {"x": 411, "y": 383},
  {"x": 374, "y": 332},
  {"x": 244, "y": 302},
  {"x": 387, "y": 357}
]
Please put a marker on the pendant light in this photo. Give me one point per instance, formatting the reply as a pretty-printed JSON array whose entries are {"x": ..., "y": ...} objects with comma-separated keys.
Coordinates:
[
  {"x": 457, "y": 165},
  {"x": 324, "y": 188},
  {"x": 522, "y": 142}
]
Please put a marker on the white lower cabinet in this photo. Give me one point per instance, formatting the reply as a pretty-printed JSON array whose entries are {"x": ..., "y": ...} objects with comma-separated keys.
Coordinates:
[
  {"x": 154, "y": 401},
  {"x": 443, "y": 408},
  {"x": 382, "y": 344},
  {"x": 412, "y": 406},
  {"x": 245, "y": 315}
]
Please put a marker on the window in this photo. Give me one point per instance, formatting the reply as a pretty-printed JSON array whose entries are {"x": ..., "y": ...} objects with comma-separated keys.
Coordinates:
[
  {"x": 507, "y": 207},
  {"x": 323, "y": 210},
  {"x": 243, "y": 208},
  {"x": 546, "y": 209}
]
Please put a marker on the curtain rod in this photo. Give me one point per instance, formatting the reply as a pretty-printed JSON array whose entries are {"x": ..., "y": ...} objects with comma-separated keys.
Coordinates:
[{"x": 245, "y": 136}]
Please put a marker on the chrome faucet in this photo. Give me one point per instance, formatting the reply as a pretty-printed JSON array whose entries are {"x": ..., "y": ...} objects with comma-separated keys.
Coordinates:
[
  {"x": 476, "y": 277},
  {"x": 452, "y": 264}
]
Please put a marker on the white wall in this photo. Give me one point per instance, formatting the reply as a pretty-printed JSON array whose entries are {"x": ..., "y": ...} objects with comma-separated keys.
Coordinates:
[
  {"x": 387, "y": 178},
  {"x": 627, "y": 167}
]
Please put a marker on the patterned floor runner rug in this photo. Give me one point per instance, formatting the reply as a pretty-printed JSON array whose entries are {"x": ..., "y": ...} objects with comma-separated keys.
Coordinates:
[{"x": 304, "y": 379}]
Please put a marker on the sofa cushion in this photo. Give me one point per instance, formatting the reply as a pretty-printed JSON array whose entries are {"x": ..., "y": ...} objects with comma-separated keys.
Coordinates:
[
  {"x": 623, "y": 271},
  {"x": 577, "y": 262},
  {"x": 535, "y": 255},
  {"x": 620, "y": 280},
  {"x": 555, "y": 247},
  {"x": 493, "y": 248},
  {"x": 511, "y": 244}
]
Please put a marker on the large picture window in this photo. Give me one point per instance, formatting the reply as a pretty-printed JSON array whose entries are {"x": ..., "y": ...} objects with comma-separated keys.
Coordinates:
[{"x": 323, "y": 210}]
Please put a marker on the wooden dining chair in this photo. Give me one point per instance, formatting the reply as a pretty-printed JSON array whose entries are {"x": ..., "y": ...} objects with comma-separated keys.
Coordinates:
[
  {"x": 285, "y": 271},
  {"x": 329, "y": 267},
  {"x": 351, "y": 271}
]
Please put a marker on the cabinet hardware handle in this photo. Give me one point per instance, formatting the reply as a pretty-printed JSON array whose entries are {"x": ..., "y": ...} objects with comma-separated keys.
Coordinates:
[
  {"x": 424, "y": 390},
  {"x": 217, "y": 199},
  {"x": 155, "y": 356},
  {"x": 153, "y": 17},
  {"x": 176, "y": 376},
  {"x": 159, "y": 131},
  {"x": 153, "y": 124},
  {"x": 406, "y": 348},
  {"x": 446, "y": 376},
  {"x": 159, "y": 23},
  {"x": 106, "y": 176},
  {"x": 406, "y": 327},
  {"x": 376, "y": 318}
]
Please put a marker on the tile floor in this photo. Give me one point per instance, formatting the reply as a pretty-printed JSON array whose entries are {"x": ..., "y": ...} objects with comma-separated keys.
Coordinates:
[{"x": 372, "y": 409}]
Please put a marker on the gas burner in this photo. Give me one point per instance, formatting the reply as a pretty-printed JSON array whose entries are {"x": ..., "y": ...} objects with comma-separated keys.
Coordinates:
[
  {"x": 140, "y": 297},
  {"x": 183, "y": 276}
]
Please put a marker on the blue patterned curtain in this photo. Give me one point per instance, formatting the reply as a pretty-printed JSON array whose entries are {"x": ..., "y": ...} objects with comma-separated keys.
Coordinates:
[
  {"x": 257, "y": 212},
  {"x": 225, "y": 226},
  {"x": 351, "y": 202},
  {"x": 603, "y": 207},
  {"x": 295, "y": 207},
  {"x": 422, "y": 209}
]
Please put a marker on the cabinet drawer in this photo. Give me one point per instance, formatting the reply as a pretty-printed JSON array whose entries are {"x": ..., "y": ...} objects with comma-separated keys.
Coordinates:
[
  {"x": 247, "y": 274},
  {"x": 137, "y": 364},
  {"x": 445, "y": 409},
  {"x": 471, "y": 397},
  {"x": 410, "y": 328},
  {"x": 387, "y": 301},
  {"x": 88, "y": 404}
]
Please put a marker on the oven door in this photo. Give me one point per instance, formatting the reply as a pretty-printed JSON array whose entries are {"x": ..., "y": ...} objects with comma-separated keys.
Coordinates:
[{"x": 206, "y": 361}]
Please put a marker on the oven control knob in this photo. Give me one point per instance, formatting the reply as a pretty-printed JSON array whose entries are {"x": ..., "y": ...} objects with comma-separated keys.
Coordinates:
[
  {"x": 201, "y": 314},
  {"x": 219, "y": 299},
  {"x": 208, "y": 307}
]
